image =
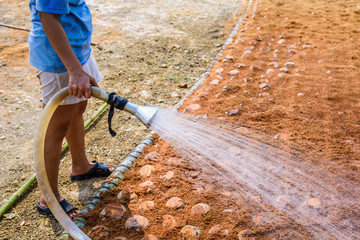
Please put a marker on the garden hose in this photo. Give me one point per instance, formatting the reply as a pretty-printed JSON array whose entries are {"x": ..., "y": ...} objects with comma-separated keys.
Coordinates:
[{"x": 143, "y": 113}]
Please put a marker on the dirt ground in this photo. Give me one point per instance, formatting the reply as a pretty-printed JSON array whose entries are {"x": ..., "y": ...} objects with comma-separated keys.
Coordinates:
[
  {"x": 150, "y": 52},
  {"x": 292, "y": 73}
]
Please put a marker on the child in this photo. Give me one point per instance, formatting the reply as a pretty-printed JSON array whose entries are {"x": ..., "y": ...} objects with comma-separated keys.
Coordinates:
[{"x": 59, "y": 47}]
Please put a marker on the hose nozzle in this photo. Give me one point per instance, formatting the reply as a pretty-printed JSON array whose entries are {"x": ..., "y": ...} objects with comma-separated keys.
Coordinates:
[{"x": 143, "y": 113}]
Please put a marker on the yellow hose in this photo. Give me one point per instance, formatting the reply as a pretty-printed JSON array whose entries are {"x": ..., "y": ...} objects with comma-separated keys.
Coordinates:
[{"x": 39, "y": 159}]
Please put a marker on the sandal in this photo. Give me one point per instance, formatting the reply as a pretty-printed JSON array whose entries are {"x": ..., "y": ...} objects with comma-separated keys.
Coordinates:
[
  {"x": 98, "y": 170},
  {"x": 65, "y": 205}
]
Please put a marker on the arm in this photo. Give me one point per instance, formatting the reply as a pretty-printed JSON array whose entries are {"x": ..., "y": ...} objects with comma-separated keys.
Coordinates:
[{"x": 79, "y": 80}]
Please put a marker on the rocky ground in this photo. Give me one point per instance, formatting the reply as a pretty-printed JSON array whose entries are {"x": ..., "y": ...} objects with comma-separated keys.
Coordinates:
[
  {"x": 292, "y": 73},
  {"x": 150, "y": 52}
]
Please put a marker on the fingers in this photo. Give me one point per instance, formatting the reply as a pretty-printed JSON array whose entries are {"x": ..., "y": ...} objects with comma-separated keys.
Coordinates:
[
  {"x": 79, "y": 85},
  {"x": 93, "y": 82},
  {"x": 87, "y": 91}
]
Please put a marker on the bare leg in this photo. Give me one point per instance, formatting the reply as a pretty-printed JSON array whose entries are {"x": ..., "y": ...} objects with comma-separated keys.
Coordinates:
[{"x": 76, "y": 139}]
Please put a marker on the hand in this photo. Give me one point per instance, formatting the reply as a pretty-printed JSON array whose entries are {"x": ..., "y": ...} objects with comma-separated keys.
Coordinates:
[{"x": 79, "y": 83}]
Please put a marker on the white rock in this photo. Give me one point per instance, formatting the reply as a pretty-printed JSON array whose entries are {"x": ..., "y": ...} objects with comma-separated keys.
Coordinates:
[
  {"x": 247, "y": 53},
  {"x": 289, "y": 64}
]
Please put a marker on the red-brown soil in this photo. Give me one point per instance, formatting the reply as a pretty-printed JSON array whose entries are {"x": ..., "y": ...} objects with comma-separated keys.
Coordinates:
[{"x": 314, "y": 105}]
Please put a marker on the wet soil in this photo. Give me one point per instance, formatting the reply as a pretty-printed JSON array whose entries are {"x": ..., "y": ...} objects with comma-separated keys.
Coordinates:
[
  {"x": 299, "y": 86},
  {"x": 150, "y": 52}
]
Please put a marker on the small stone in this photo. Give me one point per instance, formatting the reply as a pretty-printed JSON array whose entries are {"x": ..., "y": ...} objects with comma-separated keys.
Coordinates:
[
  {"x": 2, "y": 137},
  {"x": 120, "y": 238},
  {"x": 284, "y": 69},
  {"x": 163, "y": 66},
  {"x": 218, "y": 70},
  {"x": 200, "y": 208},
  {"x": 258, "y": 220},
  {"x": 153, "y": 156},
  {"x": 136, "y": 223},
  {"x": 239, "y": 65},
  {"x": 190, "y": 232},
  {"x": 175, "y": 203},
  {"x": 253, "y": 42},
  {"x": 264, "y": 86},
  {"x": 255, "y": 67},
  {"x": 264, "y": 94},
  {"x": 219, "y": 231},
  {"x": 147, "y": 205},
  {"x": 232, "y": 111},
  {"x": 228, "y": 58},
  {"x": 168, "y": 221},
  {"x": 270, "y": 72},
  {"x": 244, "y": 234},
  {"x": 259, "y": 39},
  {"x": 282, "y": 136},
  {"x": 194, "y": 174},
  {"x": 234, "y": 72},
  {"x": 148, "y": 186},
  {"x": 100, "y": 232},
  {"x": 300, "y": 94},
  {"x": 249, "y": 48},
  {"x": 247, "y": 53},
  {"x": 198, "y": 188},
  {"x": 228, "y": 211},
  {"x": 174, "y": 161},
  {"x": 193, "y": 107},
  {"x": 293, "y": 51},
  {"x": 183, "y": 85},
  {"x": 289, "y": 64},
  {"x": 274, "y": 64},
  {"x": 281, "y": 41},
  {"x": 145, "y": 171},
  {"x": 124, "y": 195},
  {"x": 113, "y": 211},
  {"x": 306, "y": 46},
  {"x": 313, "y": 203},
  {"x": 149, "y": 237},
  {"x": 293, "y": 46},
  {"x": 144, "y": 93},
  {"x": 169, "y": 175},
  {"x": 133, "y": 197},
  {"x": 214, "y": 82}
]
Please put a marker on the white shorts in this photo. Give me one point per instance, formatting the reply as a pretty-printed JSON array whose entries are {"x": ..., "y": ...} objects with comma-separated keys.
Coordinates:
[{"x": 51, "y": 83}]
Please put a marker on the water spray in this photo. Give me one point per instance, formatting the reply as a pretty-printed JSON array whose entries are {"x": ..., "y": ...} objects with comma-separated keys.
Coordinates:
[{"x": 144, "y": 113}]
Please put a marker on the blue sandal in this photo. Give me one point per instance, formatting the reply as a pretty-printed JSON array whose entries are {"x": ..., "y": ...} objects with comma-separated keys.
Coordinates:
[
  {"x": 98, "y": 170},
  {"x": 65, "y": 205}
]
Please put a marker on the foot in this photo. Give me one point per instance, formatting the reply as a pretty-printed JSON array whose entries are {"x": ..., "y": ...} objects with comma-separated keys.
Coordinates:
[
  {"x": 96, "y": 170},
  {"x": 70, "y": 210},
  {"x": 85, "y": 169}
]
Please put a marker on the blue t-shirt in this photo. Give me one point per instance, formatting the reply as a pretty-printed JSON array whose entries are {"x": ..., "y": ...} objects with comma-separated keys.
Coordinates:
[{"x": 75, "y": 17}]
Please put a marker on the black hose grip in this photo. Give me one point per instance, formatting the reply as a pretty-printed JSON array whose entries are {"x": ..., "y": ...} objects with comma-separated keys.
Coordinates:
[{"x": 118, "y": 102}]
